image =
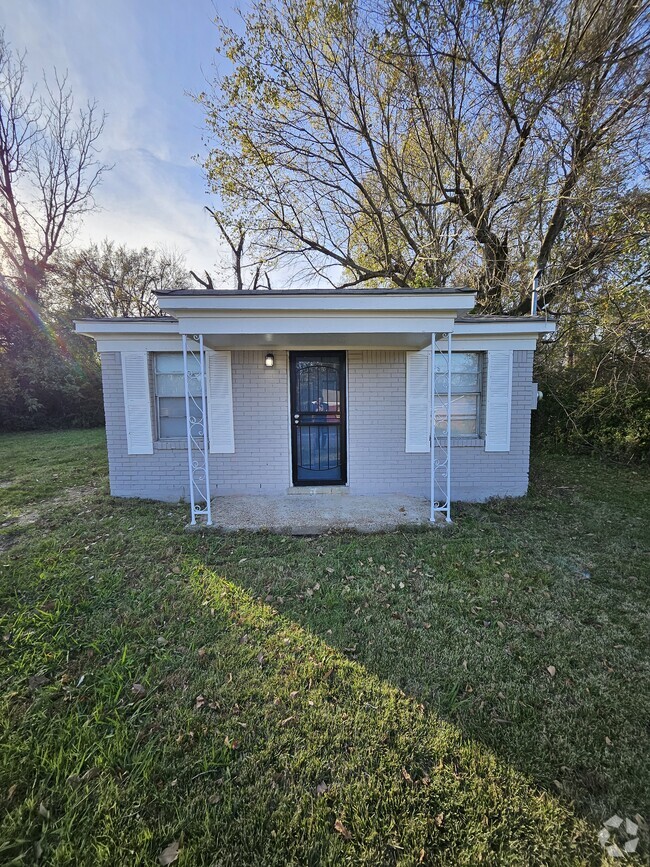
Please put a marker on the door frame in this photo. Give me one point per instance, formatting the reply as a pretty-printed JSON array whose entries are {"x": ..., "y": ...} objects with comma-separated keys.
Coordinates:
[{"x": 312, "y": 483}]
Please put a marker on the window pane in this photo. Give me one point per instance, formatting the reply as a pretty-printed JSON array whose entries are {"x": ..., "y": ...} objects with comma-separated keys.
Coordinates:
[
  {"x": 172, "y": 362},
  {"x": 464, "y": 415},
  {"x": 172, "y": 428},
  {"x": 463, "y": 427},
  {"x": 171, "y": 407},
  {"x": 460, "y": 382},
  {"x": 169, "y": 385},
  {"x": 461, "y": 362}
]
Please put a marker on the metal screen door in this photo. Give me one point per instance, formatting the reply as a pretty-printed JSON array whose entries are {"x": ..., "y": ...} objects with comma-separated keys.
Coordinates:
[{"x": 318, "y": 418}]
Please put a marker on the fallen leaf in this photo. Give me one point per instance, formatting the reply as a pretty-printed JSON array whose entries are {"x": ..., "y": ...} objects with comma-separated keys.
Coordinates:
[
  {"x": 138, "y": 691},
  {"x": 43, "y": 811},
  {"x": 407, "y": 776},
  {"x": 199, "y": 702},
  {"x": 12, "y": 791},
  {"x": 202, "y": 652},
  {"x": 260, "y": 658},
  {"x": 421, "y": 858},
  {"x": 551, "y": 670},
  {"x": 343, "y": 831},
  {"x": 608, "y": 742},
  {"x": 440, "y": 818},
  {"x": 169, "y": 854},
  {"x": 161, "y": 641},
  {"x": 321, "y": 788}
]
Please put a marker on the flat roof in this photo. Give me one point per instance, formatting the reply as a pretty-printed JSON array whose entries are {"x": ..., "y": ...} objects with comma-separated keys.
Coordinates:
[
  {"x": 465, "y": 318},
  {"x": 315, "y": 291}
]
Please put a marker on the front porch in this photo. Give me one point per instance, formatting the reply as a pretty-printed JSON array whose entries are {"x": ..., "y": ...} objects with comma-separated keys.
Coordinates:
[{"x": 313, "y": 514}]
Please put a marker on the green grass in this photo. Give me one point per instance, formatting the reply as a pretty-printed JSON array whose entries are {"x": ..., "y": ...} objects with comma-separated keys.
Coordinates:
[{"x": 397, "y": 683}]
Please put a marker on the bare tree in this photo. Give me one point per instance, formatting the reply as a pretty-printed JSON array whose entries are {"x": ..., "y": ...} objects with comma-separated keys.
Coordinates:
[
  {"x": 420, "y": 143},
  {"x": 114, "y": 280},
  {"x": 249, "y": 273},
  {"x": 48, "y": 169}
]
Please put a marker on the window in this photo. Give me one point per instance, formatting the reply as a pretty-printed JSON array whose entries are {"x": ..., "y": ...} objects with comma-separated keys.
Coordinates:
[
  {"x": 465, "y": 394},
  {"x": 170, "y": 394}
]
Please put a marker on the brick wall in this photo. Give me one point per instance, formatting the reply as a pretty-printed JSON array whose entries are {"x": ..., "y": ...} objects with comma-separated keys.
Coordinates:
[{"x": 377, "y": 461}]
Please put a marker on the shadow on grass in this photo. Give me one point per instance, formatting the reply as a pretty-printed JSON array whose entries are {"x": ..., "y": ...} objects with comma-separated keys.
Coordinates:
[
  {"x": 525, "y": 627},
  {"x": 338, "y": 746},
  {"x": 477, "y": 696}
]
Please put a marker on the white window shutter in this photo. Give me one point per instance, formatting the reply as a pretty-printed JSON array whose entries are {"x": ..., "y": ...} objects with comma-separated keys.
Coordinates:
[
  {"x": 220, "y": 411},
  {"x": 498, "y": 401},
  {"x": 418, "y": 401},
  {"x": 137, "y": 403}
]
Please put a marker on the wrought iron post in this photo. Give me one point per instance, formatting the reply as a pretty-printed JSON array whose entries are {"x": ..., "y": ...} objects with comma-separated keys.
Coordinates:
[
  {"x": 441, "y": 445},
  {"x": 197, "y": 432}
]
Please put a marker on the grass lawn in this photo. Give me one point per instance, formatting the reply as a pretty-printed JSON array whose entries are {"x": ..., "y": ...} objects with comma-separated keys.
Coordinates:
[{"x": 471, "y": 695}]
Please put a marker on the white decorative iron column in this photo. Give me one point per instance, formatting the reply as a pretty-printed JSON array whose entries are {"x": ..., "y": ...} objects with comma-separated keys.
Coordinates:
[
  {"x": 440, "y": 419},
  {"x": 197, "y": 429}
]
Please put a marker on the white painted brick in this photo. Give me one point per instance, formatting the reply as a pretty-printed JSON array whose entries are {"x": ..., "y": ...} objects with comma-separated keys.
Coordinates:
[{"x": 377, "y": 461}]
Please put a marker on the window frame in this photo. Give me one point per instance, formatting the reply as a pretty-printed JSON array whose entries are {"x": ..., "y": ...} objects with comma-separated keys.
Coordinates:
[
  {"x": 477, "y": 394},
  {"x": 155, "y": 373}
]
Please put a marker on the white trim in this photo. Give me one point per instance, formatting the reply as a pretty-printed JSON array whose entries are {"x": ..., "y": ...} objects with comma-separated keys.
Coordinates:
[
  {"x": 498, "y": 342},
  {"x": 141, "y": 343},
  {"x": 212, "y": 305},
  {"x": 137, "y": 327},
  {"x": 315, "y": 322},
  {"x": 498, "y": 401},
  {"x": 521, "y": 325}
]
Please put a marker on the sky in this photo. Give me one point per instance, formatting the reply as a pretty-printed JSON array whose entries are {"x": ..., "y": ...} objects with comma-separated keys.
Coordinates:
[{"x": 139, "y": 59}]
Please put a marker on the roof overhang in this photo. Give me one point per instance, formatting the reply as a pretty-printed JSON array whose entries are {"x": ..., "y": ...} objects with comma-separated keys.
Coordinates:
[
  {"x": 372, "y": 319},
  {"x": 316, "y": 319}
]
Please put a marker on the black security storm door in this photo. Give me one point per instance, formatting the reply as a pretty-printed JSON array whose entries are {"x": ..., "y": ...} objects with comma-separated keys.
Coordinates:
[{"x": 318, "y": 418}]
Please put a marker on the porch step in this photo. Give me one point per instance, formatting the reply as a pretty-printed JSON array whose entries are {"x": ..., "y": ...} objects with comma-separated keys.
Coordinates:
[{"x": 341, "y": 490}]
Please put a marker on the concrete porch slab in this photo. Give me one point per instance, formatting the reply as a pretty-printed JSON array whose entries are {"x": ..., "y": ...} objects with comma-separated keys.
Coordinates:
[{"x": 313, "y": 515}]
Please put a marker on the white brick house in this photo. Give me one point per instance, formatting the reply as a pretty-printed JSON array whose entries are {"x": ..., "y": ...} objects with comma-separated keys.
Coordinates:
[{"x": 310, "y": 388}]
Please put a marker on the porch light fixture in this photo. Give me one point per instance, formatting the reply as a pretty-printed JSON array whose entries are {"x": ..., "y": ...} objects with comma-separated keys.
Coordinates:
[{"x": 269, "y": 360}]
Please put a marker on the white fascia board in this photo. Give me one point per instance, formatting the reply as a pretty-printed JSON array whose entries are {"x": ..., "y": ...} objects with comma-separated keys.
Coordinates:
[
  {"x": 314, "y": 323},
  {"x": 142, "y": 343},
  {"x": 212, "y": 305},
  {"x": 520, "y": 327},
  {"x": 485, "y": 344},
  {"x": 98, "y": 327}
]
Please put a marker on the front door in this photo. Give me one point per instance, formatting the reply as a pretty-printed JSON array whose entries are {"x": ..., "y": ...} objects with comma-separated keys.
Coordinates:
[{"x": 318, "y": 418}]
